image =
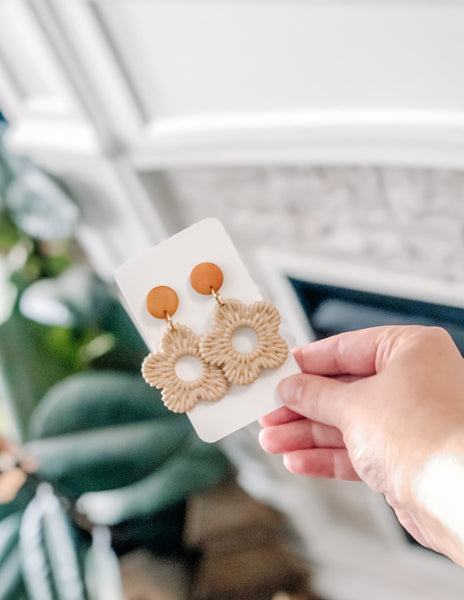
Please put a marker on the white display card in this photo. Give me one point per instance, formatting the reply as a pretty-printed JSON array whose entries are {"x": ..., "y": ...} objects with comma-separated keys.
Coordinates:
[{"x": 170, "y": 263}]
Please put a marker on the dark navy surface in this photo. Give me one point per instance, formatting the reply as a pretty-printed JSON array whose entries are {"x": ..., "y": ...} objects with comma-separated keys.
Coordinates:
[{"x": 331, "y": 310}]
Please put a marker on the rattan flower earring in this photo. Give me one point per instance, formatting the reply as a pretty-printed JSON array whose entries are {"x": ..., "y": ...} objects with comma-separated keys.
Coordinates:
[
  {"x": 229, "y": 316},
  {"x": 159, "y": 368}
]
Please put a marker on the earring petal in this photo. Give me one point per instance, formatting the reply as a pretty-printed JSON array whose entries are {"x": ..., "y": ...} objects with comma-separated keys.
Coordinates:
[
  {"x": 216, "y": 346},
  {"x": 159, "y": 371}
]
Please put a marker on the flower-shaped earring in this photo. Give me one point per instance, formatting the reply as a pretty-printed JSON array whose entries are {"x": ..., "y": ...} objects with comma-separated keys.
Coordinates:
[
  {"x": 229, "y": 316},
  {"x": 159, "y": 368}
]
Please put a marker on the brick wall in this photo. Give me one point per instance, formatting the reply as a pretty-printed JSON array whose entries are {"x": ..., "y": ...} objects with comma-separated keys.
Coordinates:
[{"x": 407, "y": 220}]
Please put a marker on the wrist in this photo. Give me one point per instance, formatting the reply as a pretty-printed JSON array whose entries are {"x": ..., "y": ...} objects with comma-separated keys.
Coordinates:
[{"x": 437, "y": 495}]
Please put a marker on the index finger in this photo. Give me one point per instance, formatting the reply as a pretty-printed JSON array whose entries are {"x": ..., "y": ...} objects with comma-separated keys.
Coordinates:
[{"x": 351, "y": 353}]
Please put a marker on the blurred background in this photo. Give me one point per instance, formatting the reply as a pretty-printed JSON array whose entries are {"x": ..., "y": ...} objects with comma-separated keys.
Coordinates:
[{"x": 328, "y": 137}]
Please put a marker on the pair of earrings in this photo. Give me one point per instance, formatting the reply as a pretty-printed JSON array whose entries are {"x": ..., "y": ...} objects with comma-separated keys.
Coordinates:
[{"x": 221, "y": 363}]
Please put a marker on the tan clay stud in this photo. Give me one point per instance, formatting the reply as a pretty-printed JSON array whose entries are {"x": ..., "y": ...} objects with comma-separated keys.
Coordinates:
[
  {"x": 162, "y": 301},
  {"x": 206, "y": 276}
]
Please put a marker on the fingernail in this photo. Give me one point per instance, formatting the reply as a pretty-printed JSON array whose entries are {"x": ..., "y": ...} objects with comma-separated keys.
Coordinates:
[
  {"x": 290, "y": 390},
  {"x": 297, "y": 354},
  {"x": 262, "y": 435}
]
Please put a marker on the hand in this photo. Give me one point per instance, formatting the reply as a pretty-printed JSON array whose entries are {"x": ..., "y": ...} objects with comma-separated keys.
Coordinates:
[{"x": 376, "y": 405}]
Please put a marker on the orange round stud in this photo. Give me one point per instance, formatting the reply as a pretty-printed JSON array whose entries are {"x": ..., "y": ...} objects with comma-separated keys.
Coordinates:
[
  {"x": 162, "y": 301},
  {"x": 206, "y": 276}
]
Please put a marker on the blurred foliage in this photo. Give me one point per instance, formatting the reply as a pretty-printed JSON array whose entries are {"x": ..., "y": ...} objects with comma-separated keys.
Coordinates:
[{"x": 91, "y": 462}]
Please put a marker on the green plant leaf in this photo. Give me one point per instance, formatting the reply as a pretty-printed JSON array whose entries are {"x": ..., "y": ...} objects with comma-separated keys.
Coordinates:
[
  {"x": 4, "y": 178},
  {"x": 129, "y": 349},
  {"x": 9, "y": 233},
  {"x": 96, "y": 399},
  {"x": 74, "y": 298},
  {"x": 9, "y": 535},
  {"x": 102, "y": 575},
  {"x": 39, "y": 207},
  {"x": 59, "y": 543},
  {"x": 13, "y": 164},
  {"x": 18, "y": 505},
  {"x": 8, "y": 292},
  {"x": 106, "y": 458},
  {"x": 196, "y": 467},
  {"x": 34, "y": 562},
  {"x": 10, "y": 557},
  {"x": 27, "y": 369},
  {"x": 11, "y": 583}
]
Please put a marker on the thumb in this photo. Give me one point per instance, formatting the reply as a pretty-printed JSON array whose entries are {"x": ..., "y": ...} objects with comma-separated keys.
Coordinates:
[{"x": 318, "y": 398}]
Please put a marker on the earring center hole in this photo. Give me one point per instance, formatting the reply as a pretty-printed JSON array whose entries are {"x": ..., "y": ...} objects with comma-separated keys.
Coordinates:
[
  {"x": 188, "y": 368},
  {"x": 244, "y": 340}
]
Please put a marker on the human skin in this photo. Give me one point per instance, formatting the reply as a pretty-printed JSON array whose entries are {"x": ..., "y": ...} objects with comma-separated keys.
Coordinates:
[{"x": 380, "y": 405}]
